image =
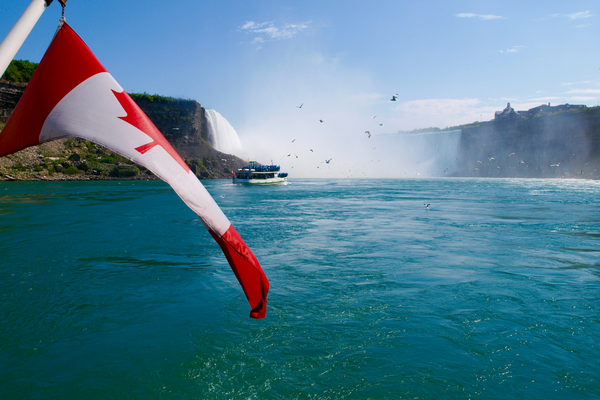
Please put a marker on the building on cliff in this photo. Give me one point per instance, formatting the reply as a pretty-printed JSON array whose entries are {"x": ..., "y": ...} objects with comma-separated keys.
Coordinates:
[
  {"x": 510, "y": 114},
  {"x": 507, "y": 114},
  {"x": 548, "y": 109}
]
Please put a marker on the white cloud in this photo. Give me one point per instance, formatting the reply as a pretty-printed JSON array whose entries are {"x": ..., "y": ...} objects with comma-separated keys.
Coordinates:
[
  {"x": 514, "y": 49},
  {"x": 577, "y": 15},
  {"x": 545, "y": 99},
  {"x": 266, "y": 31},
  {"x": 480, "y": 16},
  {"x": 575, "y": 83},
  {"x": 584, "y": 91},
  {"x": 443, "y": 112},
  {"x": 580, "y": 15},
  {"x": 583, "y": 98}
]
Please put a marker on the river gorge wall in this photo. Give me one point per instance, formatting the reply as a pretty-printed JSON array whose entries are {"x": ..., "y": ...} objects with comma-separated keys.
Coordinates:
[
  {"x": 182, "y": 122},
  {"x": 561, "y": 145}
]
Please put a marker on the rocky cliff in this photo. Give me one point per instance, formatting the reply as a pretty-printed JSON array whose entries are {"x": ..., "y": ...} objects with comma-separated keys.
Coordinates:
[
  {"x": 182, "y": 122},
  {"x": 561, "y": 145},
  {"x": 10, "y": 93}
]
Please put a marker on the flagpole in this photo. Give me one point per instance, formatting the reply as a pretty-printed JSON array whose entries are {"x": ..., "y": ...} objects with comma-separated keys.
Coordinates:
[{"x": 19, "y": 32}]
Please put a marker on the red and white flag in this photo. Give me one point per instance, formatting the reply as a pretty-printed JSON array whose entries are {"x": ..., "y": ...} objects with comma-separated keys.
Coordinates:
[{"x": 72, "y": 95}]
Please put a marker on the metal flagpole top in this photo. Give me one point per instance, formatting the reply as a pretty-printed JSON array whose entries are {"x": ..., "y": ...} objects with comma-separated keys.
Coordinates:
[{"x": 12, "y": 42}]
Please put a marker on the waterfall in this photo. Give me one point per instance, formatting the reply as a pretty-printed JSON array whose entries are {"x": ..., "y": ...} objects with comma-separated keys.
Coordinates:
[
  {"x": 420, "y": 154},
  {"x": 221, "y": 135}
]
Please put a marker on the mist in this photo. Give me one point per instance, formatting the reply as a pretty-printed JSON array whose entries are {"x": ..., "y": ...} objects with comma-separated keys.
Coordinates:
[{"x": 301, "y": 113}]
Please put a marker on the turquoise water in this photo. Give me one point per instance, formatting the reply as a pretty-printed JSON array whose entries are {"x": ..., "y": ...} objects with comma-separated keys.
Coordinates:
[{"x": 114, "y": 290}]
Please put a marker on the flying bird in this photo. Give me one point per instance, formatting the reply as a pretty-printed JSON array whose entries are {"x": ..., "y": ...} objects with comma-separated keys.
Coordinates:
[
  {"x": 374, "y": 116},
  {"x": 394, "y": 97},
  {"x": 327, "y": 161},
  {"x": 293, "y": 140},
  {"x": 290, "y": 154},
  {"x": 426, "y": 206},
  {"x": 300, "y": 106},
  {"x": 321, "y": 120},
  {"x": 368, "y": 133}
]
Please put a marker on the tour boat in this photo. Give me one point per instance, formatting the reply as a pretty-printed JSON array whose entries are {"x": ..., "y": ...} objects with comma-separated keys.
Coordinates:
[{"x": 254, "y": 174}]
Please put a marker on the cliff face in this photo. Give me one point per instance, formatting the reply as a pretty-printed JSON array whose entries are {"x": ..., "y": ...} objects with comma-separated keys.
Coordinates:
[
  {"x": 562, "y": 145},
  {"x": 182, "y": 122},
  {"x": 10, "y": 93}
]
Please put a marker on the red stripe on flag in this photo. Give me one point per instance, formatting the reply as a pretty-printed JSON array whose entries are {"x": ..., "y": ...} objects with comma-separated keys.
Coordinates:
[
  {"x": 246, "y": 269},
  {"x": 148, "y": 146},
  {"x": 62, "y": 68}
]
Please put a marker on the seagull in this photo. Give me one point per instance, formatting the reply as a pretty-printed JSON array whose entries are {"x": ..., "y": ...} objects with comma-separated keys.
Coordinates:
[
  {"x": 374, "y": 116},
  {"x": 394, "y": 97},
  {"x": 290, "y": 154},
  {"x": 368, "y": 133},
  {"x": 380, "y": 124},
  {"x": 300, "y": 106},
  {"x": 293, "y": 140},
  {"x": 426, "y": 205},
  {"x": 311, "y": 150},
  {"x": 327, "y": 161},
  {"x": 554, "y": 165},
  {"x": 321, "y": 120}
]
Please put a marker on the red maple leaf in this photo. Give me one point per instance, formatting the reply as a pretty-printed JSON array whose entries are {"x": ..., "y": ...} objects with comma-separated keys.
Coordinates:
[{"x": 136, "y": 117}]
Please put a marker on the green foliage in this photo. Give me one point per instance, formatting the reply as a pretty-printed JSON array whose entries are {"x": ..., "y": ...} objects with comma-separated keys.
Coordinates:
[
  {"x": 422, "y": 130},
  {"x": 107, "y": 160},
  {"x": 90, "y": 146},
  {"x": 197, "y": 167},
  {"x": 99, "y": 169},
  {"x": 124, "y": 171},
  {"x": 19, "y": 167},
  {"x": 71, "y": 171},
  {"x": 19, "y": 71},
  {"x": 152, "y": 98}
]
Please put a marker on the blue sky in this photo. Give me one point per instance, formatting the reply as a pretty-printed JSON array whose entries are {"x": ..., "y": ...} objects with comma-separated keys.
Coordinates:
[{"x": 255, "y": 61}]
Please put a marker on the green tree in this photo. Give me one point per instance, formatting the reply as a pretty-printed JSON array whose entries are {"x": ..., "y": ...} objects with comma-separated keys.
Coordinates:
[{"x": 19, "y": 71}]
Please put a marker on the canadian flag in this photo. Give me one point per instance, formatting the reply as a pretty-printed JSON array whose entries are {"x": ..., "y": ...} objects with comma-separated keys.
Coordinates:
[{"x": 72, "y": 95}]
